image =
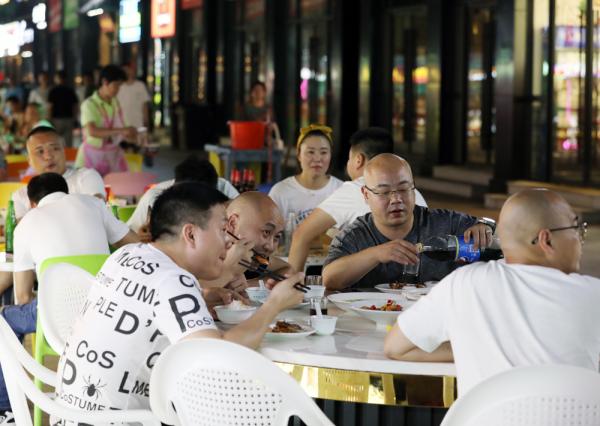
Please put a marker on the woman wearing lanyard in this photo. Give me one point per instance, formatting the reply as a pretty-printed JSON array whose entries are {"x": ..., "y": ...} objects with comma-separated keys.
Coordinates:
[{"x": 104, "y": 127}]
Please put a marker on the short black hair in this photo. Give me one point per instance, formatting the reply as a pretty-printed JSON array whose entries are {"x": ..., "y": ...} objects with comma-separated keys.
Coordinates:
[
  {"x": 13, "y": 98},
  {"x": 193, "y": 169},
  {"x": 41, "y": 129},
  {"x": 258, "y": 83},
  {"x": 62, "y": 74},
  {"x": 186, "y": 202},
  {"x": 112, "y": 73},
  {"x": 47, "y": 183},
  {"x": 372, "y": 141}
]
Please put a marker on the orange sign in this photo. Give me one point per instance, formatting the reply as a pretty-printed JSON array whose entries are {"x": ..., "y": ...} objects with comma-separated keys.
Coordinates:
[
  {"x": 191, "y": 4},
  {"x": 163, "y": 18}
]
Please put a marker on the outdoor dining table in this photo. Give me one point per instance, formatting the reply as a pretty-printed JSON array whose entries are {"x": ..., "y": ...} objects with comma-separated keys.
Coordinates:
[{"x": 354, "y": 382}]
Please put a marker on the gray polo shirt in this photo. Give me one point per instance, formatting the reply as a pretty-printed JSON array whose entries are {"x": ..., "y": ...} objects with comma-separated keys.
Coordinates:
[{"x": 362, "y": 234}]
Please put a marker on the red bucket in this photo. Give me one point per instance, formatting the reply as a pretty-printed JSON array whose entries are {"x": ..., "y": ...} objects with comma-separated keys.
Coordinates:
[{"x": 247, "y": 134}]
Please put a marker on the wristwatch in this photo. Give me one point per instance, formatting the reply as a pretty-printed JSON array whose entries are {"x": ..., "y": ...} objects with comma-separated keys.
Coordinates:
[{"x": 488, "y": 222}]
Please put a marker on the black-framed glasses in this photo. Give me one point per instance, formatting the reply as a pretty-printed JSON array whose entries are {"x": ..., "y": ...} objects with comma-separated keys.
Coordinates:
[
  {"x": 402, "y": 192},
  {"x": 581, "y": 229}
]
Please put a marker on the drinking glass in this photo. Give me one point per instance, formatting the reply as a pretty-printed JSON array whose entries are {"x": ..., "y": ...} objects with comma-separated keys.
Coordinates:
[{"x": 411, "y": 272}]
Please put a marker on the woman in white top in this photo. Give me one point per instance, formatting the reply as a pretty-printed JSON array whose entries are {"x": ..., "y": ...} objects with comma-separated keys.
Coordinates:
[{"x": 300, "y": 194}]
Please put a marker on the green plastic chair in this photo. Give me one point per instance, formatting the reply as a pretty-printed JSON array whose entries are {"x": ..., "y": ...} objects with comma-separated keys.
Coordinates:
[
  {"x": 125, "y": 212},
  {"x": 89, "y": 262}
]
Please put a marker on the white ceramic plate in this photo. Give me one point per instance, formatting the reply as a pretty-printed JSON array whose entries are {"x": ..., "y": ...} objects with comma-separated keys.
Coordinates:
[
  {"x": 301, "y": 305},
  {"x": 408, "y": 289},
  {"x": 381, "y": 318},
  {"x": 344, "y": 300},
  {"x": 307, "y": 331}
]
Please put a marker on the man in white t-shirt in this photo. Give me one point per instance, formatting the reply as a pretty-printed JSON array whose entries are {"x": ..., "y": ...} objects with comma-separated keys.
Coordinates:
[
  {"x": 46, "y": 154},
  {"x": 532, "y": 309},
  {"x": 134, "y": 99},
  {"x": 148, "y": 297},
  {"x": 191, "y": 169},
  {"x": 60, "y": 224},
  {"x": 347, "y": 203}
]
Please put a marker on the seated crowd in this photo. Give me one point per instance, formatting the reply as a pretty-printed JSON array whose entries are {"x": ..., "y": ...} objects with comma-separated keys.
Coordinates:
[{"x": 188, "y": 237}]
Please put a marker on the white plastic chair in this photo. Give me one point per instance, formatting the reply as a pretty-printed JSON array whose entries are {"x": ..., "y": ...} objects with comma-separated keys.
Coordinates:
[
  {"x": 62, "y": 292},
  {"x": 546, "y": 395},
  {"x": 15, "y": 360},
  {"x": 212, "y": 382}
]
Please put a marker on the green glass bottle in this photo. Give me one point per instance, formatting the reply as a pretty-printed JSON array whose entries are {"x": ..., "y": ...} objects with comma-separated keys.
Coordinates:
[{"x": 9, "y": 227}]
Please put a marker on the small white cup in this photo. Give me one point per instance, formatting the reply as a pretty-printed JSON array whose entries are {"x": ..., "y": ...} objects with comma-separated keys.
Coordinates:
[
  {"x": 324, "y": 325},
  {"x": 315, "y": 292},
  {"x": 257, "y": 294}
]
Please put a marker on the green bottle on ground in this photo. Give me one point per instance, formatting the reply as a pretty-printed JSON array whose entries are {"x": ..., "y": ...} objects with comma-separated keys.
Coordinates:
[{"x": 9, "y": 227}]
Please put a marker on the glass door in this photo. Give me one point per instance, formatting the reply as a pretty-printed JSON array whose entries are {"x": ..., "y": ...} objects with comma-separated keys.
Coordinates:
[
  {"x": 409, "y": 79},
  {"x": 481, "y": 73}
]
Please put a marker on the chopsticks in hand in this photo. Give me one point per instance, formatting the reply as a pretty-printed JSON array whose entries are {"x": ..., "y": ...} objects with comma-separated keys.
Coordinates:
[{"x": 268, "y": 273}]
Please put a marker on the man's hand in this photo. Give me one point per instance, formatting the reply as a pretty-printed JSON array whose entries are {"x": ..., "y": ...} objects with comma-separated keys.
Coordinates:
[
  {"x": 399, "y": 251},
  {"x": 283, "y": 294},
  {"x": 129, "y": 133},
  {"x": 482, "y": 235},
  {"x": 238, "y": 284},
  {"x": 144, "y": 233},
  {"x": 240, "y": 250}
]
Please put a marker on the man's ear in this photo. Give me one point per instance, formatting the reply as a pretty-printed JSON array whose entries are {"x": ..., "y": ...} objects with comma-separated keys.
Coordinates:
[
  {"x": 232, "y": 222},
  {"x": 360, "y": 159},
  {"x": 544, "y": 241},
  {"x": 187, "y": 232},
  {"x": 365, "y": 194}
]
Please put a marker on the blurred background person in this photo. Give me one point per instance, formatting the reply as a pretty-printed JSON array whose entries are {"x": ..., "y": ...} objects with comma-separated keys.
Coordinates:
[
  {"x": 257, "y": 108},
  {"x": 62, "y": 108},
  {"x": 39, "y": 94}
]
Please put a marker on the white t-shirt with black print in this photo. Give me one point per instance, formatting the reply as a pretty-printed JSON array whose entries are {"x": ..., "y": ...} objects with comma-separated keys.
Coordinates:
[{"x": 140, "y": 304}]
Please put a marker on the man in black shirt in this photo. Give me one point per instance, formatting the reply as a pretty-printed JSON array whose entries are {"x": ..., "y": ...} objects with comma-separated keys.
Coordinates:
[
  {"x": 62, "y": 104},
  {"x": 375, "y": 247}
]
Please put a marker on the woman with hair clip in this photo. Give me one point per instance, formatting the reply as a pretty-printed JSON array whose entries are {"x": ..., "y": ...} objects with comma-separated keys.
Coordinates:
[{"x": 301, "y": 193}]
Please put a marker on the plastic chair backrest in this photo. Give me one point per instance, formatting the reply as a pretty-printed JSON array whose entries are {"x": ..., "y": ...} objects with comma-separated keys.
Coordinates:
[
  {"x": 6, "y": 190},
  {"x": 125, "y": 212},
  {"x": 546, "y": 395},
  {"x": 129, "y": 184},
  {"x": 15, "y": 158},
  {"x": 206, "y": 382},
  {"x": 134, "y": 161},
  {"x": 14, "y": 170},
  {"x": 15, "y": 360},
  {"x": 62, "y": 293}
]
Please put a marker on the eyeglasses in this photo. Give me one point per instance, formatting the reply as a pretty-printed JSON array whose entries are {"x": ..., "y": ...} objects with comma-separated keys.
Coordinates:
[
  {"x": 581, "y": 229},
  {"x": 387, "y": 195}
]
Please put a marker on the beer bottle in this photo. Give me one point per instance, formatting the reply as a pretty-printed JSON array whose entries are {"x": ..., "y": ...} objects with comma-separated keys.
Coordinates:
[
  {"x": 9, "y": 227},
  {"x": 454, "y": 248}
]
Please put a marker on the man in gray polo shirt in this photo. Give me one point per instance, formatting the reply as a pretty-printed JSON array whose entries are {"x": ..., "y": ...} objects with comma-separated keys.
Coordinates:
[{"x": 376, "y": 246}]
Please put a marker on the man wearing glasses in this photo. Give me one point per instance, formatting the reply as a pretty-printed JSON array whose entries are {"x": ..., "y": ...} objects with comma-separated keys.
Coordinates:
[
  {"x": 531, "y": 309},
  {"x": 376, "y": 246}
]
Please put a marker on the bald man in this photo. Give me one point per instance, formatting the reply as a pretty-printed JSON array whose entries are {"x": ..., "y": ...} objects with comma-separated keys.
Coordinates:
[
  {"x": 254, "y": 218},
  {"x": 530, "y": 308},
  {"x": 376, "y": 246}
]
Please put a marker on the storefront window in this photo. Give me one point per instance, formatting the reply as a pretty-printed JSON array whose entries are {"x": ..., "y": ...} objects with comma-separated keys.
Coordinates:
[{"x": 409, "y": 79}]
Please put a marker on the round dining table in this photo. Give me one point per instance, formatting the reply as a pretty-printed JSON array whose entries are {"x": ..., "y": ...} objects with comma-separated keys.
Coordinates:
[{"x": 348, "y": 372}]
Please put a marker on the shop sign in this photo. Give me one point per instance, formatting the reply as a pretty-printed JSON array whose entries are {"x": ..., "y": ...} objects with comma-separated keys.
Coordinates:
[
  {"x": 130, "y": 21},
  {"x": 191, "y": 4},
  {"x": 14, "y": 35},
  {"x": 54, "y": 15},
  {"x": 163, "y": 18},
  {"x": 71, "y": 14}
]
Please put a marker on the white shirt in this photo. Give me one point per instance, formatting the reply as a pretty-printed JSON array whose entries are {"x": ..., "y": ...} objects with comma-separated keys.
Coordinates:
[
  {"x": 140, "y": 214},
  {"x": 347, "y": 203},
  {"x": 291, "y": 197},
  {"x": 79, "y": 181},
  {"x": 65, "y": 225},
  {"x": 499, "y": 315},
  {"x": 133, "y": 97},
  {"x": 142, "y": 302}
]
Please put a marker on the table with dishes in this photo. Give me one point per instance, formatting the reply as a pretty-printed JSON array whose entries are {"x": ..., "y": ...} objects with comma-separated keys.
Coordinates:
[{"x": 349, "y": 365}]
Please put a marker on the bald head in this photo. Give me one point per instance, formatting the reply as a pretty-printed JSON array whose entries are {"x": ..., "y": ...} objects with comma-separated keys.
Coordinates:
[
  {"x": 255, "y": 216},
  {"x": 530, "y": 215},
  {"x": 386, "y": 164}
]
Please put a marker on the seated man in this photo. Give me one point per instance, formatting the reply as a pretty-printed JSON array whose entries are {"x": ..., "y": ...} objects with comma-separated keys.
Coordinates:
[
  {"x": 46, "y": 153},
  {"x": 347, "y": 203},
  {"x": 191, "y": 169},
  {"x": 533, "y": 308},
  {"x": 129, "y": 329},
  {"x": 255, "y": 219},
  {"x": 60, "y": 224},
  {"x": 376, "y": 246}
]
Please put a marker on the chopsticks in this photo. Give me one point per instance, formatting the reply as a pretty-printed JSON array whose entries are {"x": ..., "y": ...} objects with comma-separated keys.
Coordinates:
[
  {"x": 238, "y": 238},
  {"x": 271, "y": 274}
]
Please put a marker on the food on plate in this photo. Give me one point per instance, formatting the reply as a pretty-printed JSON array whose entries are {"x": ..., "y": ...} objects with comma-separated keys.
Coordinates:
[
  {"x": 390, "y": 306},
  {"x": 286, "y": 327},
  {"x": 398, "y": 285},
  {"x": 238, "y": 305}
]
